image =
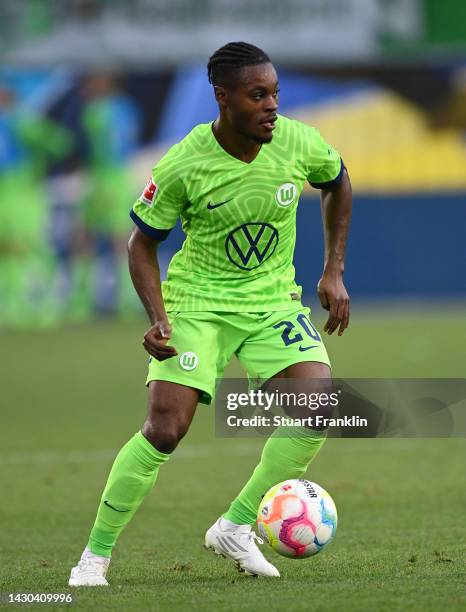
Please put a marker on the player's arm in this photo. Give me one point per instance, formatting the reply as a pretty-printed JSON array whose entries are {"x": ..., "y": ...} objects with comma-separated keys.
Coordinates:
[
  {"x": 327, "y": 172},
  {"x": 155, "y": 214},
  {"x": 145, "y": 274},
  {"x": 336, "y": 203}
]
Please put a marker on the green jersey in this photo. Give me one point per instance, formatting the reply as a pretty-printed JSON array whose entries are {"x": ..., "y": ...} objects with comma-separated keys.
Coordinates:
[{"x": 239, "y": 218}]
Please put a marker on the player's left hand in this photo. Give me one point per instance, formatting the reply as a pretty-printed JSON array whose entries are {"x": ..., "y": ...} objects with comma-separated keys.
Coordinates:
[{"x": 334, "y": 297}]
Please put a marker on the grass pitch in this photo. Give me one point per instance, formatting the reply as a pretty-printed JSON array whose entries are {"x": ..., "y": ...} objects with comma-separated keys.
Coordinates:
[{"x": 70, "y": 398}]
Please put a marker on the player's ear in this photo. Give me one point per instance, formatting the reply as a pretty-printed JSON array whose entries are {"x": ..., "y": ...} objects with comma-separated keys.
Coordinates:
[{"x": 220, "y": 94}]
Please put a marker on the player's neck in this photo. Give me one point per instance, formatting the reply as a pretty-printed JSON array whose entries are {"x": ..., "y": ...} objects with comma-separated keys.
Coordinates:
[{"x": 234, "y": 143}]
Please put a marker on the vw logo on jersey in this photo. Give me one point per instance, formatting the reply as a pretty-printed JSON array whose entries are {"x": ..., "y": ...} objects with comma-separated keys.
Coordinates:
[
  {"x": 286, "y": 194},
  {"x": 249, "y": 245},
  {"x": 188, "y": 361}
]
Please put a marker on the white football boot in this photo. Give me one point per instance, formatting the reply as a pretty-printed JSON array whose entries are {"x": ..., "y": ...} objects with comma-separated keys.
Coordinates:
[
  {"x": 238, "y": 542},
  {"x": 90, "y": 571}
]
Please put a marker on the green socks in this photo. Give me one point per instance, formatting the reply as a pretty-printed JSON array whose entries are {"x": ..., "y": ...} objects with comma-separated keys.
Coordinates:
[
  {"x": 136, "y": 466},
  {"x": 132, "y": 476},
  {"x": 282, "y": 459}
]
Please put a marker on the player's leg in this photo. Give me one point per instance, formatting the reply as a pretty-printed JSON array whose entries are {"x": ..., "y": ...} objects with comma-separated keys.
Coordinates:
[
  {"x": 278, "y": 347},
  {"x": 133, "y": 474},
  {"x": 286, "y": 454},
  {"x": 170, "y": 412},
  {"x": 175, "y": 387}
]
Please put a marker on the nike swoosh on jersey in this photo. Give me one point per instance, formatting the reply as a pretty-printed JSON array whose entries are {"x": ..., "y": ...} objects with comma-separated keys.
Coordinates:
[
  {"x": 113, "y": 508},
  {"x": 211, "y": 206},
  {"x": 306, "y": 348}
]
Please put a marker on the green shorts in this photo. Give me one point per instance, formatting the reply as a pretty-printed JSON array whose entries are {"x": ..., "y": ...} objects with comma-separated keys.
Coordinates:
[{"x": 264, "y": 342}]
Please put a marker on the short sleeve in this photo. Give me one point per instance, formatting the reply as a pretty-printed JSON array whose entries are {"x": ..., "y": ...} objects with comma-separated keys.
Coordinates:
[
  {"x": 157, "y": 209},
  {"x": 326, "y": 166}
]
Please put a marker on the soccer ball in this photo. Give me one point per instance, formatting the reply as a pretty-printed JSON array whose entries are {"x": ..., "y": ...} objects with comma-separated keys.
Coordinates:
[{"x": 298, "y": 518}]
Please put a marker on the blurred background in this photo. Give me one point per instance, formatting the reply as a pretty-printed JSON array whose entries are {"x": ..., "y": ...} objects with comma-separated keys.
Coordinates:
[{"x": 93, "y": 92}]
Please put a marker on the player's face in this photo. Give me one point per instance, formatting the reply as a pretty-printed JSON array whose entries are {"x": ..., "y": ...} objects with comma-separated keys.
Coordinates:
[{"x": 251, "y": 105}]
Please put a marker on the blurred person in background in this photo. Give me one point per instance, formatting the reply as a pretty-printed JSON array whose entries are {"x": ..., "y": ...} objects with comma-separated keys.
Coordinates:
[
  {"x": 67, "y": 241},
  {"x": 28, "y": 142},
  {"x": 111, "y": 123}
]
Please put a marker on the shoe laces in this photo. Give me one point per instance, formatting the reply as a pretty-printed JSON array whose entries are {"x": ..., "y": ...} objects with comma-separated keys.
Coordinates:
[
  {"x": 251, "y": 538},
  {"x": 88, "y": 563}
]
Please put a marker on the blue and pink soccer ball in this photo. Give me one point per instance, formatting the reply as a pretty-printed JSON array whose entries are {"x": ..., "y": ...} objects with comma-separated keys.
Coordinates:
[{"x": 298, "y": 518}]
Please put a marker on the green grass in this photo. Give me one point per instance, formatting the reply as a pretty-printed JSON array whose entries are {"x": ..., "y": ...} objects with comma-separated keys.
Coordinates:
[{"x": 72, "y": 397}]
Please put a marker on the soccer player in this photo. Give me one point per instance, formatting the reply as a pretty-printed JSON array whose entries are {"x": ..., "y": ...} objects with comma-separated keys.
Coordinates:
[
  {"x": 235, "y": 183},
  {"x": 111, "y": 124}
]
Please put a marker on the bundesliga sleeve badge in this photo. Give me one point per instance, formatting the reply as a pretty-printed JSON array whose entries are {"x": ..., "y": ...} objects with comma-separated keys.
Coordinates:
[{"x": 150, "y": 193}]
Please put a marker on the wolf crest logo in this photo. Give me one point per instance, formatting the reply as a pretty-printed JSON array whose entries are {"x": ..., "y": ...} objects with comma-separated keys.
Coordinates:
[
  {"x": 188, "y": 361},
  {"x": 286, "y": 194}
]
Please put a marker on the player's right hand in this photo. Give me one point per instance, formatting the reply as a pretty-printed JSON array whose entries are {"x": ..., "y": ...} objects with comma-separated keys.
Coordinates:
[{"x": 156, "y": 338}]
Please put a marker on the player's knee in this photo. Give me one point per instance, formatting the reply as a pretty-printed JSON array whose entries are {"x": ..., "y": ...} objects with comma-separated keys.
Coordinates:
[
  {"x": 164, "y": 427},
  {"x": 164, "y": 439}
]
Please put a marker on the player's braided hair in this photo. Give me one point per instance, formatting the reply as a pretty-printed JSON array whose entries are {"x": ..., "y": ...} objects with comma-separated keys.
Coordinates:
[{"x": 230, "y": 58}]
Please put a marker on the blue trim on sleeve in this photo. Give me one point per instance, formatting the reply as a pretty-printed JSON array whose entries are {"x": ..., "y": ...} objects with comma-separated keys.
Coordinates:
[
  {"x": 152, "y": 232},
  {"x": 334, "y": 183}
]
